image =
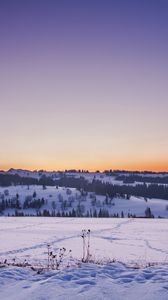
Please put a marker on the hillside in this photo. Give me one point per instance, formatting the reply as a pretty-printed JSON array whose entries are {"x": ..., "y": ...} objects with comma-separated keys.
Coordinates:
[{"x": 55, "y": 201}]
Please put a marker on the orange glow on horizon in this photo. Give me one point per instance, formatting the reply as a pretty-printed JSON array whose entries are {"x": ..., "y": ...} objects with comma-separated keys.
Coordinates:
[{"x": 156, "y": 167}]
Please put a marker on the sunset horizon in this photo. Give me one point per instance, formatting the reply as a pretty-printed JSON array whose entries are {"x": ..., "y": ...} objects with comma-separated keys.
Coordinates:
[{"x": 84, "y": 168}]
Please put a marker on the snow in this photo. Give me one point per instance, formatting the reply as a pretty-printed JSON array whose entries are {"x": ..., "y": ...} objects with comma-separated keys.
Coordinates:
[
  {"x": 88, "y": 282},
  {"x": 131, "y": 242},
  {"x": 135, "y": 205}
]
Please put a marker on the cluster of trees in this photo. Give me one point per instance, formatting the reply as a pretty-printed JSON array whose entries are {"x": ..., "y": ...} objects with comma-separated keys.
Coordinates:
[
  {"x": 33, "y": 203},
  {"x": 113, "y": 190},
  {"x": 5, "y": 204},
  {"x": 16, "y": 204},
  {"x": 121, "y": 172},
  {"x": 10, "y": 179},
  {"x": 145, "y": 179},
  {"x": 76, "y": 171}
]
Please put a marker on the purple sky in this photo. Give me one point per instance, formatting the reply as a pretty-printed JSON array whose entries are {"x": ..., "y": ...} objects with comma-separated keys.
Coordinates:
[{"x": 84, "y": 84}]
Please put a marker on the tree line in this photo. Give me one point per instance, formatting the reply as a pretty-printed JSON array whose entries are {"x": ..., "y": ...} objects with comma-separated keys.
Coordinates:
[{"x": 144, "y": 179}]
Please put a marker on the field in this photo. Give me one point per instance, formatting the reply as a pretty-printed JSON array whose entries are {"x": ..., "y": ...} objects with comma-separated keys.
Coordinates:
[{"x": 128, "y": 257}]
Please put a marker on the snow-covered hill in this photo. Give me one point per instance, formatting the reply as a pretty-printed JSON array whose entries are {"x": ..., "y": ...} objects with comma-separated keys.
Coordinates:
[{"x": 65, "y": 200}]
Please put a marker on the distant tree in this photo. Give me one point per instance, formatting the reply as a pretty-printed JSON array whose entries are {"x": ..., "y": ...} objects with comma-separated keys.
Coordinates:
[
  {"x": 17, "y": 205},
  {"x": 95, "y": 214},
  {"x": 53, "y": 205},
  {"x": 87, "y": 214},
  {"x": 58, "y": 214},
  {"x": 73, "y": 213},
  {"x": 34, "y": 194},
  {"x": 6, "y": 192},
  {"x": 148, "y": 213},
  {"x": 100, "y": 213},
  {"x": 46, "y": 213},
  {"x": 107, "y": 199}
]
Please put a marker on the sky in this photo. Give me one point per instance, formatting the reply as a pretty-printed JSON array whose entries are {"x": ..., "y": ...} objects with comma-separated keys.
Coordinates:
[{"x": 84, "y": 84}]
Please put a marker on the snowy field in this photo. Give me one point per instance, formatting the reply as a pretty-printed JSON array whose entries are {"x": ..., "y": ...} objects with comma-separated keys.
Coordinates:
[{"x": 130, "y": 242}]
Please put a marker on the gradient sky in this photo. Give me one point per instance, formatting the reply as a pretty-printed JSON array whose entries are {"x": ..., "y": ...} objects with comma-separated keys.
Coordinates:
[{"x": 84, "y": 84}]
